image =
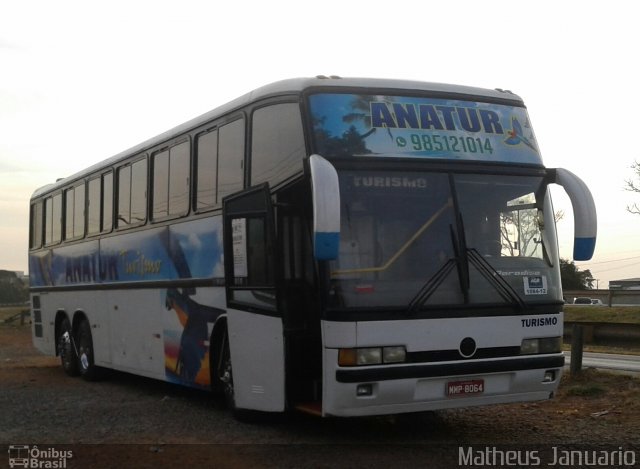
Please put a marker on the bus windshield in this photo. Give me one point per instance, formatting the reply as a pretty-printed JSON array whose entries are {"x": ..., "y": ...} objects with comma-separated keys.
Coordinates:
[{"x": 424, "y": 239}]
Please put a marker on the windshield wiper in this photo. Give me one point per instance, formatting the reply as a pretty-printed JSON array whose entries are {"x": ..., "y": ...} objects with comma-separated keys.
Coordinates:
[
  {"x": 461, "y": 259},
  {"x": 504, "y": 289},
  {"x": 431, "y": 286}
]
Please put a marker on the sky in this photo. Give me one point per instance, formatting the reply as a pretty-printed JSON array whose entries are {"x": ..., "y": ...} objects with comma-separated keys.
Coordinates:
[{"x": 81, "y": 81}]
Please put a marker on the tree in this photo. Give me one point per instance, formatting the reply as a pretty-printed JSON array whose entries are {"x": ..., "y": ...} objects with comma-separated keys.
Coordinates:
[
  {"x": 573, "y": 278},
  {"x": 520, "y": 228},
  {"x": 634, "y": 186},
  {"x": 12, "y": 289}
]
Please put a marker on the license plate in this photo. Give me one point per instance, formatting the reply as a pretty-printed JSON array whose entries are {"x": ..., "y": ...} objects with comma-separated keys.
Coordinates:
[{"x": 465, "y": 388}]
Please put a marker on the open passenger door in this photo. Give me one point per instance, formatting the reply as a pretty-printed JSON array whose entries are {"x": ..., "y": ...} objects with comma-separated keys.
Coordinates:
[{"x": 253, "y": 321}]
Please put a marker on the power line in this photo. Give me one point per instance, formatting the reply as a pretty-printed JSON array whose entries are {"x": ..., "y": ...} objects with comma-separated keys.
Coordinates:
[
  {"x": 618, "y": 268},
  {"x": 613, "y": 260}
]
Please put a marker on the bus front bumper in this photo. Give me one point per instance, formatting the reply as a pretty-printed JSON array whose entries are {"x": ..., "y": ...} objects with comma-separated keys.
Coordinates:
[{"x": 391, "y": 389}]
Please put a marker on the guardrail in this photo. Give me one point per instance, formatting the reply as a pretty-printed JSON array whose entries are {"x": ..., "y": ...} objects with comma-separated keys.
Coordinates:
[
  {"x": 603, "y": 333},
  {"x": 597, "y": 333},
  {"x": 22, "y": 315}
]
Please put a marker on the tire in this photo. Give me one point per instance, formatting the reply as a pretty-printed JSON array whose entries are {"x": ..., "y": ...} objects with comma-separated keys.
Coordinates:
[
  {"x": 67, "y": 349},
  {"x": 225, "y": 386},
  {"x": 225, "y": 373},
  {"x": 84, "y": 343}
]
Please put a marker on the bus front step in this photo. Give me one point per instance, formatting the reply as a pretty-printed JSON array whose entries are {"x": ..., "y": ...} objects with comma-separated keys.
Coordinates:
[{"x": 312, "y": 408}]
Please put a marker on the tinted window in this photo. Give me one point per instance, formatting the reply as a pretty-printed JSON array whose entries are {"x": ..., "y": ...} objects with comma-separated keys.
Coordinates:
[
  {"x": 48, "y": 217},
  {"x": 230, "y": 159},
  {"x": 107, "y": 201},
  {"x": 160, "y": 184},
  {"x": 139, "y": 192},
  {"x": 132, "y": 194},
  {"x": 74, "y": 212},
  {"x": 171, "y": 181},
  {"x": 56, "y": 219},
  {"x": 179, "y": 169},
  {"x": 100, "y": 211},
  {"x": 124, "y": 197},
  {"x": 93, "y": 212},
  {"x": 36, "y": 225},
  {"x": 277, "y": 146},
  {"x": 78, "y": 212},
  {"x": 69, "y": 211},
  {"x": 206, "y": 167}
]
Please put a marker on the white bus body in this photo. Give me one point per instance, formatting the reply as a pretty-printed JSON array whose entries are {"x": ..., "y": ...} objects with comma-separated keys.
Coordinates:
[{"x": 346, "y": 247}]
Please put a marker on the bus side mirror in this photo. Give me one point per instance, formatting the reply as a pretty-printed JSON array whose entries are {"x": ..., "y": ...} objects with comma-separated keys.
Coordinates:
[
  {"x": 326, "y": 208},
  {"x": 584, "y": 212}
]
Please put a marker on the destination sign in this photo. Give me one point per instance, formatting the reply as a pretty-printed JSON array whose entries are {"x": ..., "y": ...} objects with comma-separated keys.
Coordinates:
[{"x": 350, "y": 125}]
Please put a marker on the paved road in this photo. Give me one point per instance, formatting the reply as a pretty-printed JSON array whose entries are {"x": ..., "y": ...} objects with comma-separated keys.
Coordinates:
[{"x": 611, "y": 361}]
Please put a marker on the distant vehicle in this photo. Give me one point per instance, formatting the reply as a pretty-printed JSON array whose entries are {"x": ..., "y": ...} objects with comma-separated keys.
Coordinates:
[
  {"x": 582, "y": 300},
  {"x": 596, "y": 302}
]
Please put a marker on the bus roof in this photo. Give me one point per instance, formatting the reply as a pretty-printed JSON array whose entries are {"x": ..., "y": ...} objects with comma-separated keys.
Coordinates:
[{"x": 291, "y": 86}]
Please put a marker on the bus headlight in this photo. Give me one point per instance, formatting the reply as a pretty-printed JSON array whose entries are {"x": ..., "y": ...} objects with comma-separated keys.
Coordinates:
[
  {"x": 371, "y": 355},
  {"x": 394, "y": 354},
  {"x": 543, "y": 345}
]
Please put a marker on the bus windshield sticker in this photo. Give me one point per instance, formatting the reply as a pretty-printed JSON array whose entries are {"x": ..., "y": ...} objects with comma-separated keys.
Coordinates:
[
  {"x": 535, "y": 285},
  {"x": 396, "y": 126}
]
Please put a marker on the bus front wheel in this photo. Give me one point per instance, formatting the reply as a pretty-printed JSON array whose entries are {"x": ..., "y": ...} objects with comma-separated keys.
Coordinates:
[{"x": 225, "y": 373}]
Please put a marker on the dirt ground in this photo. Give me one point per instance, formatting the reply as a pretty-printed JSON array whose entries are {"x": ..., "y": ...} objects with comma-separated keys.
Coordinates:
[{"x": 129, "y": 421}]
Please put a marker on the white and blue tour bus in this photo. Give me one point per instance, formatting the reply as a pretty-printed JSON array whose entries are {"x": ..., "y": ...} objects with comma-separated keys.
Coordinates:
[{"x": 346, "y": 247}]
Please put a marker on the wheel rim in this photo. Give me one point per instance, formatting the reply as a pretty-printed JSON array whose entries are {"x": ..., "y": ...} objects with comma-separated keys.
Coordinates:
[
  {"x": 227, "y": 377},
  {"x": 226, "y": 372},
  {"x": 66, "y": 349},
  {"x": 84, "y": 351},
  {"x": 84, "y": 361}
]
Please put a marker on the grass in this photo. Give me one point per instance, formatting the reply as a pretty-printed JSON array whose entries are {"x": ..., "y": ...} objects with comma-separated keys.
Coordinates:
[
  {"x": 614, "y": 314},
  {"x": 7, "y": 312},
  {"x": 586, "y": 390}
]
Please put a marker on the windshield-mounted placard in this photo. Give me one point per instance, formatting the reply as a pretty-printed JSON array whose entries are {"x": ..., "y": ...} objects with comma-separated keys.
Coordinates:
[{"x": 397, "y": 126}]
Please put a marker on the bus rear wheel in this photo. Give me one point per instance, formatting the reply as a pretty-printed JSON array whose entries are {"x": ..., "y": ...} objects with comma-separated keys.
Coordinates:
[
  {"x": 67, "y": 348},
  {"x": 86, "y": 366}
]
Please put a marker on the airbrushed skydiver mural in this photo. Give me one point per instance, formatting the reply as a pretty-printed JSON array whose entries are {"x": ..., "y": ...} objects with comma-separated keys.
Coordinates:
[{"x": 184, "y": 251}]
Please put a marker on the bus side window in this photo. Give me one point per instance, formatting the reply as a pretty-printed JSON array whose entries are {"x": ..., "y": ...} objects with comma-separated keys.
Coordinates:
[
  {"x": 206, "y": 170},
  {"x": 100, "y": 210},
  {"x": 277, "y": 147},
  {"x": 171, "y": 182},
  {"x": 36, "y": 225},
  {"x": 132, "y": 194},
  {"x": 53, "y": 219},
  {"x": 74, "y": 212},
  {"x": 69, "y": 200},
  {"x": 230, "y": 159},
  {"x": 124, "y": 197},
  {"x": 107, "y": 202},
  {"x": 93, "y": 211},
  {"x": 139, "y": 192}
]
